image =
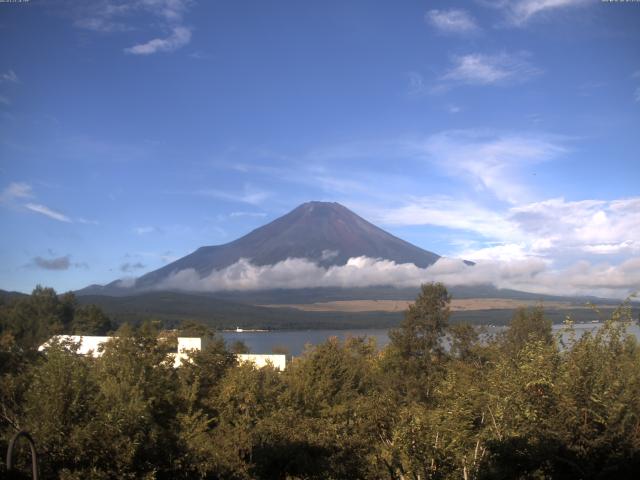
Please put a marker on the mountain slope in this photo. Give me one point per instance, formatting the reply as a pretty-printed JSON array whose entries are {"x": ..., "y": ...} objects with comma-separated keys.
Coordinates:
[{"x": 325, "y": 233}]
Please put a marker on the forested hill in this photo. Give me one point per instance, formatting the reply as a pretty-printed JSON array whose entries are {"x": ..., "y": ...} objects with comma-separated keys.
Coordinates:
[{"x": 228, "y": 310}]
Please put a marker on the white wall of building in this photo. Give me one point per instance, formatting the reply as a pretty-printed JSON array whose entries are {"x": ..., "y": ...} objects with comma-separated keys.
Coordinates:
[
  {"x": 86, "y": 344},
  {"x": 278, "y": 361},
  {"x": 90, "y": 345}
]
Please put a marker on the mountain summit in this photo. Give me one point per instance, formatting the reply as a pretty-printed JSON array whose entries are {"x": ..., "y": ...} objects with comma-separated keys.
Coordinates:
[{"x": 325, "y": 233}]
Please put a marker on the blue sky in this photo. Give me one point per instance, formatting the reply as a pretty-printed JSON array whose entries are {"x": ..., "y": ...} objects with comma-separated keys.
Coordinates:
[{"x": 133, "y": 132}]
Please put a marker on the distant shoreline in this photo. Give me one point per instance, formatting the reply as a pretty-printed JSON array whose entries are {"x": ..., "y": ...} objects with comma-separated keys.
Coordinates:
[{"x": 245, "y": 330}]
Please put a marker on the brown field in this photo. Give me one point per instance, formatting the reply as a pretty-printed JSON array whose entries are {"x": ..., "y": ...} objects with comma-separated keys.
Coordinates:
[{"x": 465, "y": 304}]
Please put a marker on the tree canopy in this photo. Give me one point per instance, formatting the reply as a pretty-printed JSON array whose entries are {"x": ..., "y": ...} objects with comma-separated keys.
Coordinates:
[{"x": 438, "y": 402}]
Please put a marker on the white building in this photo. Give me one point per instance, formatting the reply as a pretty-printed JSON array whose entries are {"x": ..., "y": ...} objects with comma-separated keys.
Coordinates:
[
  {"x": 277, "y": 361},
  {"x": 91, "y": 345}
]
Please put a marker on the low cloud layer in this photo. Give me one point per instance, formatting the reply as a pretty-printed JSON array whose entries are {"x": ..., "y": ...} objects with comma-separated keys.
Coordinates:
[{"x": 531, "y": 274}]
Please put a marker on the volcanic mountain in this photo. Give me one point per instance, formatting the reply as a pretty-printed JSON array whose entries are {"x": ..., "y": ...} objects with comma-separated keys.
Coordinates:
[{"x": 324, "y": 233}]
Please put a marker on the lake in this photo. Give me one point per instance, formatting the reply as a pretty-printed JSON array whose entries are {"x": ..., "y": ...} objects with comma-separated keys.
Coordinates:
[{"x": 295, "y": 340}]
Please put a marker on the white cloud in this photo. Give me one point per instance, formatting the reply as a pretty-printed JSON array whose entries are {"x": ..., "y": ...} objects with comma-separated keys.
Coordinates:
[
  {"x": 506, "y": 252},
  {"x": 489, "y": 160},
  {"x": 553, "y": 231},
  {"x": 47, "y": 212},
  {"x": 247, "y": 214},
  {"x": 126, "y": 282},
  {"x": 249, "y": 195},
  {"x": 15, "y": 191},
  {"x": 179, "y": 37},
  {"x": 144, "y": 230},
  {"x": 479, "y": 69},
  {"x": 636, "y": 95},
  {"x": 612, "y": 248},
  {"x": 112, "y": 15},
  {"x": 529, "y": 274},
  {"x": 416, "y": 85},
  {"x": 592, "y": 226},
  {"x": 452, "y": 21},
  {"x": 444, "y": 211},
  {"x": 85, "y": 221},
  {"x": 120, "y": 15},
  {"x": 519, "y": 12},
  {"x": 329, "y": 254},
  {"x": 9, "y": 76},
  {"x": 103, "y": 15},
  {"x": 298, "y": 273}
]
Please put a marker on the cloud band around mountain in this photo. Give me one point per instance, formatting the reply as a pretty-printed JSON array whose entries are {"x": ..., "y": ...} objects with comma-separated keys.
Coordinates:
[{"x": 531, "y": 274}]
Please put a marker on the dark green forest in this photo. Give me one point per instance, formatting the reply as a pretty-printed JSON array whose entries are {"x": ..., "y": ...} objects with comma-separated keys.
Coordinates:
[{"x": 521, "y": 404}]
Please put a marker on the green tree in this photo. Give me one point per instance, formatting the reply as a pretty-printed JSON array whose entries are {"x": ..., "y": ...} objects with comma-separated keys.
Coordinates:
[
  {"x": 527, "y": 325},
  {"x": 34, "y": 319},
  {"x": 90, "y": 320},
  {"x": 599, "y": 403},
  {"x": 60, "y": 409},
  {"x": 136, "y": 404},
  {"x": 415, "y": 355}
]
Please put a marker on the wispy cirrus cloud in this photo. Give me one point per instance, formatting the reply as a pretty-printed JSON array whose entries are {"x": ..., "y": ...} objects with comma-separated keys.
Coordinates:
[
  {"x": 87, "y": 221},
  {"x": 249, "y": 195},
  {"x": 478, "y": 69},
  {"x": 180, "y": 36},
  {"x": 9, "y": 76},
  {"x": 489, "y": 160},
  {"x": 108, "y": 16},
  {"x": 16, "y": 191},
  {"x": 144, "y": 230},
  {"x": 416, "y": 84},
  {"x": 247, "y": 214},
  {"x": 493, "y": 162},
  {"x": 47, "y": 212},
  {"x": 636, "y": 93},
  {"x": 520, "y": 12},
  {"x": 446, "y": 211},
  {"x": 452, "y": 21}
]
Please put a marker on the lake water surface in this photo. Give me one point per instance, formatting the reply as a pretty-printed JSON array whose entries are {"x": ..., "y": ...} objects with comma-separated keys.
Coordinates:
[{"x": 294, "y": 341}]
